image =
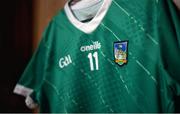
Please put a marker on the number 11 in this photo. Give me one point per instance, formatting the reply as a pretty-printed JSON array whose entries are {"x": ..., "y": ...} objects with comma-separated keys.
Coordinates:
[{"x": 90, "y": 56}]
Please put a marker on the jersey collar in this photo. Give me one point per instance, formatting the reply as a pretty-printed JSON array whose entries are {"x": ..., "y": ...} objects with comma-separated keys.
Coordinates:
[{"x": 94, "y": 23}]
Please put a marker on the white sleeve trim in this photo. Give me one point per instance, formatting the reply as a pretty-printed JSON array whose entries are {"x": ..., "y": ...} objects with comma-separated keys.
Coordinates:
[
  {"x": 177, "y": 2},
  {"x": 30, "y": 103},
  {"x": 24, "y": 91}
]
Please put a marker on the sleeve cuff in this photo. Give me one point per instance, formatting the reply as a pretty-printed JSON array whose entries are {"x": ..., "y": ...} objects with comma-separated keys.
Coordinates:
[
  {"x": 30, "y": 103},
  {"x": 26, "y": 92},
  {"x": 177, "y": 2}
]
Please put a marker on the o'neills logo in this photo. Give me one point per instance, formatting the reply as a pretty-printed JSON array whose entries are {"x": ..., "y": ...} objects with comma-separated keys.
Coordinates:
[{"x": 94, "y": 46}]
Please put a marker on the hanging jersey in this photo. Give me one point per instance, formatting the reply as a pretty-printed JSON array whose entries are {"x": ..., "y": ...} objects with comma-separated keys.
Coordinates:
[{"x": 125, "y": 59}]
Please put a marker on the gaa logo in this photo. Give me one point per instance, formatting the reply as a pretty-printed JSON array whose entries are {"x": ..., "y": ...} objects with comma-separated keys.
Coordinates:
[{"x": 65, "y": 61}]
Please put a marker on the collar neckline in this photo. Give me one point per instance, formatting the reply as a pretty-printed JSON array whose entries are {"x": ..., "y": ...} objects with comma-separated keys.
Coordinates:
[{"x": 90, "y": 26}]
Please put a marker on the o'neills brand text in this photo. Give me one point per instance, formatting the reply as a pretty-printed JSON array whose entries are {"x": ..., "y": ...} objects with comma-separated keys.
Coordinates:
[{"x": 94, "y": 46}]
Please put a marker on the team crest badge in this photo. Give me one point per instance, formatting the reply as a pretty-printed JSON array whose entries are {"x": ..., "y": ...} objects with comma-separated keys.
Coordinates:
[{"x": 121, "y": 52}]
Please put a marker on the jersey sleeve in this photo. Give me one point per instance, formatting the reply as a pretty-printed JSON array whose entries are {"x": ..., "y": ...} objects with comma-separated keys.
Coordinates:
[
  {"x": 34, "y": 74},
  {"x": 169, "y": 33}
]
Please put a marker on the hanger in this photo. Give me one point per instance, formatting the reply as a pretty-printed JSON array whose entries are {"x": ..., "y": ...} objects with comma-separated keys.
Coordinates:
[
  {"x": 85, "y": 9},
  {"x": 81, "y": 4},
  {"x": 73, "y": 2}
]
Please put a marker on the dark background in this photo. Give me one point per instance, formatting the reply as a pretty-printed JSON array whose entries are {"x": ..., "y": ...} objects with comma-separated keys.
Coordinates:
[
  {"x": 15, "y": 50},
  {"x": 21, "y": 25}
]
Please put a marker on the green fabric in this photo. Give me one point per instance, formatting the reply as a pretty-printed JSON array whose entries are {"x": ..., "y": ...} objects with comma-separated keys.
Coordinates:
[{"x": 147, "y": 83}]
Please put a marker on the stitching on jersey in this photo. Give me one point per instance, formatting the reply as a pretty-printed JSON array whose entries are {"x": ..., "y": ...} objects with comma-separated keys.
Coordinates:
[
  {"x": 56, "y": 90},
  {"x": 135, "y": 21},
  {"x": 147, "y": 71},
  {"x": 152, "y": 77},
  {"x": 121, "y": 78},
  {"x": 99, "y": 91},
  {"x": 141, "y": 65}
]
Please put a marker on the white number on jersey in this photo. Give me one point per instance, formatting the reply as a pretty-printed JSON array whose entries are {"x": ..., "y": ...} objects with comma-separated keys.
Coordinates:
[{"x": 95, "y": 56}]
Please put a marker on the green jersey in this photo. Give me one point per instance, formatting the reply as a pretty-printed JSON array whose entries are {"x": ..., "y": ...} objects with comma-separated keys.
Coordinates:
[{"x": 124, "y": 59}]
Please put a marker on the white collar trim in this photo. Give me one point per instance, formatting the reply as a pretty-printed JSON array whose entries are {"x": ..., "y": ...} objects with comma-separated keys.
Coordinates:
[{"x": 94, "y": 23}]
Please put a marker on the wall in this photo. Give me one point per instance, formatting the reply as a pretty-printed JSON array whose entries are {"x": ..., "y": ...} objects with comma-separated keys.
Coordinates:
[
  {"x": 43, "y": 10},
  {"x": 22, "y": 23},
  {"x": 15, "y": 48}
]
